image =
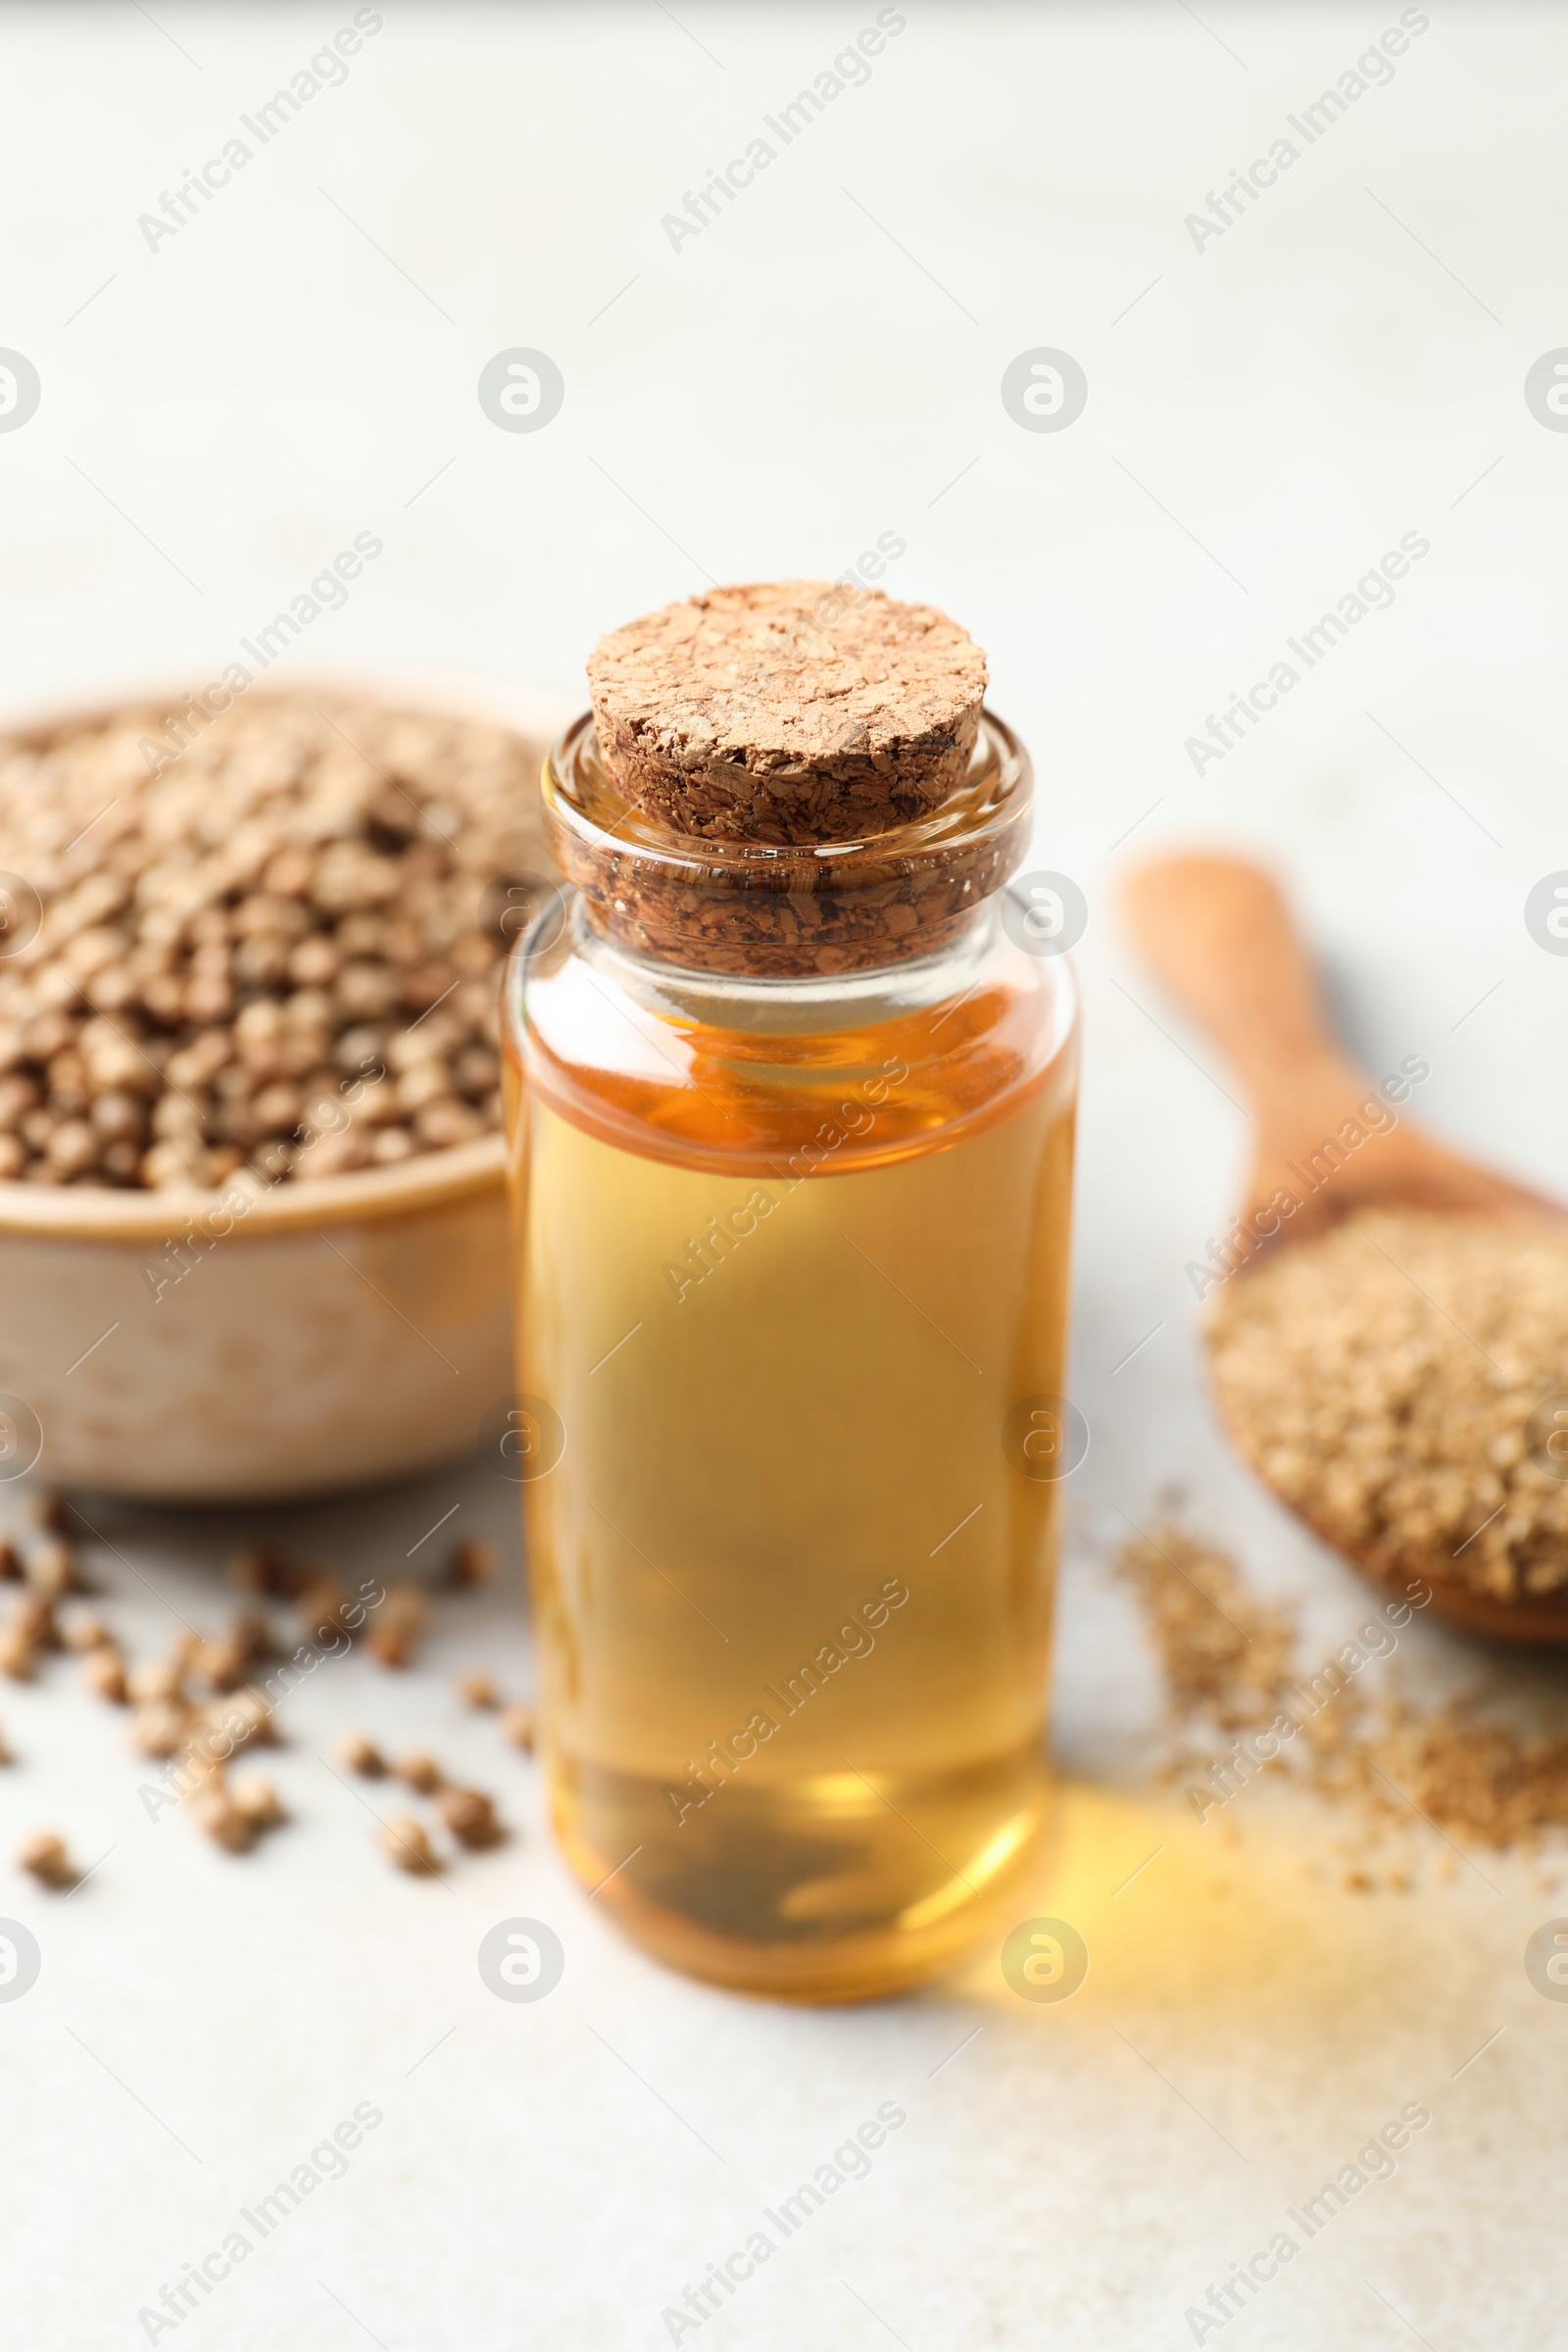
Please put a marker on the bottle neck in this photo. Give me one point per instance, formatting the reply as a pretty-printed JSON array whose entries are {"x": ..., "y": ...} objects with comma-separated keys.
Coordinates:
[
  {"x": 817, "y": 1001},
  {"x": 756, "y": 912}
]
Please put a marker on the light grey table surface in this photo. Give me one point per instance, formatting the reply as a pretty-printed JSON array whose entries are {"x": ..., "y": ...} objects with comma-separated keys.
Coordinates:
[{"x": 1269, "y": 408}]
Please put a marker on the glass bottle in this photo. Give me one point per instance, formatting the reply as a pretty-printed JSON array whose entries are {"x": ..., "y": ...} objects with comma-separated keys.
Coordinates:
[{"x": 790, "y": 1177}]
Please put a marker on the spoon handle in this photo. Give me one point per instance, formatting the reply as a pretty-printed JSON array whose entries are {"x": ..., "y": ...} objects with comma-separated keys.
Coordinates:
[{"x": 1218, "y": 934}]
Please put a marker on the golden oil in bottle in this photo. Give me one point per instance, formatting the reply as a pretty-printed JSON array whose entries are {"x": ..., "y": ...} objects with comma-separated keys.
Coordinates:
[{"x": 792, "y": 1261}]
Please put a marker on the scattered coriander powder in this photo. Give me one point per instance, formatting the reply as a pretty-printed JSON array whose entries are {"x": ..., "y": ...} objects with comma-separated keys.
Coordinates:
[
  {"x": 1236, "y": 1677},
  {"x": 1224, "y": 1652}
]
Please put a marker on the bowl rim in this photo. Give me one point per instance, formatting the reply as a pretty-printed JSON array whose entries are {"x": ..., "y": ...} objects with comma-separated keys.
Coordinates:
[{"x": 429, "y": 1181}]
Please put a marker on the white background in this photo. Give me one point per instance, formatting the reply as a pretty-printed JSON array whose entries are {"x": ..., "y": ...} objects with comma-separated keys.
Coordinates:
[{"x": 1266, "y": 418}]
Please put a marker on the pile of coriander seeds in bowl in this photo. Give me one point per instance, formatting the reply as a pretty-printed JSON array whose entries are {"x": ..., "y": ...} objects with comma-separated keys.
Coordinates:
[{"x": 271, "y": 954}]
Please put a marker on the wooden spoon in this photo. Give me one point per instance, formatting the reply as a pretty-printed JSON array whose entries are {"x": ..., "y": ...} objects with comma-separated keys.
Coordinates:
[{"x": 1220, "y": 935}]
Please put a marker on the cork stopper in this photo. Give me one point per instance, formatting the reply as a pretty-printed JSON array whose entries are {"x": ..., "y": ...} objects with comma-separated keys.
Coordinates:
[{"x": 775, "y": 713}]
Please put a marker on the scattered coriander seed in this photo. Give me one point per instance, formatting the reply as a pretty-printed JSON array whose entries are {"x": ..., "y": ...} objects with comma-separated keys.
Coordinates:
[
  {"x": 400, "y": 1621},
  {"x": 155, "y": 1680},
  {"x": 29, "y": 1627},
  {"x": 34, "y": 1616},
  {"x": 469, "y": 1815},
  {"x": 51, "y": 1570},
  {"x": 420, "y": 1771},
  {"x": 517, "y": 1724},
  {"x": 19, "y": 1654},
  {"x": 227, "y": 1661},
  {"x": 224, "y": 1821},
  {"x": 44, "y": 1855},
  {"x": 85, "y": 1631},
  {"x": 169, "y": 1719},
  {"x": 104, "y": 1674},
  {"x": 406, "y": 1841},
  {"x": 158, "y": 1728},
  {"x": 260, "y": 1802},
  {"x": 199, "y": 1765},
  {"x": 241, "y": 1715},
  {"x": 474, "y": 1561},
  {"x": 323, "y": 1610},
  {"x": 255, "y": 1569}
]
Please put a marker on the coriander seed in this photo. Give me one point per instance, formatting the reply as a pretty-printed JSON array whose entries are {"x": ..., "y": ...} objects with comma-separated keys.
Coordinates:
[
  {"x": 44, "y": 1855},
  {"x": 406, "y": 1841}
]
